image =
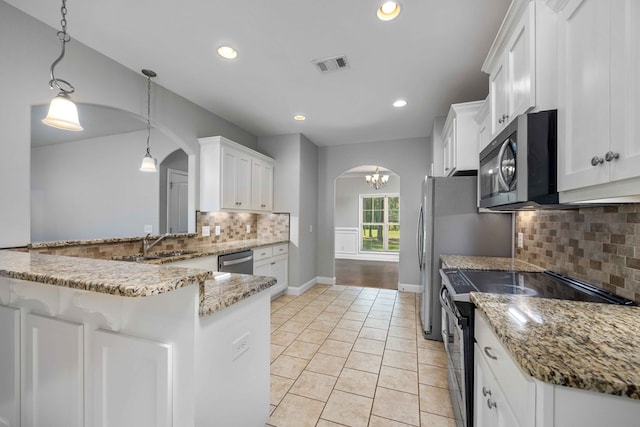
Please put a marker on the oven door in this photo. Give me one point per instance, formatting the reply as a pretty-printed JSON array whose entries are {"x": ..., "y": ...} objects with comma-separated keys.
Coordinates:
[
  {"x": 452, "y": 335},
  {"x": 498, "y": 178}
]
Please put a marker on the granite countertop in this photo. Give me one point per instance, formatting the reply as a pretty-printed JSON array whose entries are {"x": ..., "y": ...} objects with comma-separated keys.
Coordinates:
[
  {"x": 487, "y": 263},
  {"x": 63, "y": 243},
  {"x": 583, "y": 345},
  {"x": 131, "y": 279}
]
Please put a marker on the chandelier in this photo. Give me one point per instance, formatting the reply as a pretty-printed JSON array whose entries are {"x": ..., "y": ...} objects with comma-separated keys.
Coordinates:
[{"x": 376, "y": 180}]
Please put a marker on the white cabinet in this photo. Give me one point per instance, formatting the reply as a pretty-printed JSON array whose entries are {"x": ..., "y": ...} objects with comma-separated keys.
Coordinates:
[
  {"x": 522, "y": 63},
  {"x": 261, "y": 185},
  {"x": 233, "y": 177},
  {"x": 483, "y": 119},
  {"x": 273, "y": 261},
  {"x": 9, "y": 366},
  {"x": 459, "y": 137},
  {"x": 53, "y": 381},
  {"x": 491, "y": 408},
  {"x": 132, "y": 381},
  {"x": 598, "y": 99}
]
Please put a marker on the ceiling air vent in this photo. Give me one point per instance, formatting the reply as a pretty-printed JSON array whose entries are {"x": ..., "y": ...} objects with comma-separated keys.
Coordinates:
[{"x": 335, "y": 63}]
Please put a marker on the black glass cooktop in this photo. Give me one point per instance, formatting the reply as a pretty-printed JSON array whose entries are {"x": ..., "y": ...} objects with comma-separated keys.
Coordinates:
[{"x": 546, "y": 285}]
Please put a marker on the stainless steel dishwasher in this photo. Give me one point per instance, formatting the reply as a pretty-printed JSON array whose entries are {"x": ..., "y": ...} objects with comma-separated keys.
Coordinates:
[{"x": 237, "y": 262}]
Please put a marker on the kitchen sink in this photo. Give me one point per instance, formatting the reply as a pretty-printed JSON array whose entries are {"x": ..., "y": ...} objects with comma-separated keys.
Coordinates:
[{"x": 140, "y": 258}]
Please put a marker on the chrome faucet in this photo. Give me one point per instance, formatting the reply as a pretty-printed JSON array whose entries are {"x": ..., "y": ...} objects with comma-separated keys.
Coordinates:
[{"x": 146, "y": 245}]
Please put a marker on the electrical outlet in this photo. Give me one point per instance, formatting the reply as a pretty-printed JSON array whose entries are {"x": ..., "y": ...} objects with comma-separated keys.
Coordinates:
[
  {"x": 248, "y": 228},
  {"x": 240, "y": 345},
  {"x": 217, "y": 230},
  {"x": 520, "y": 240},
  {"x": 310, "y": 228},
  {"x": 148, "y": 228},
  {"x": 206, "y": 231}
]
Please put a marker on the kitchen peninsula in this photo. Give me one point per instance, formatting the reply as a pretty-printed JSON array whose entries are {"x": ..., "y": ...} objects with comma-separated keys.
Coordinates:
[{"x": 90, "y": 342}]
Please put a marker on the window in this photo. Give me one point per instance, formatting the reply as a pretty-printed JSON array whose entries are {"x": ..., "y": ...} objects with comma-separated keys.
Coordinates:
[{"x": 380, "y": 223}]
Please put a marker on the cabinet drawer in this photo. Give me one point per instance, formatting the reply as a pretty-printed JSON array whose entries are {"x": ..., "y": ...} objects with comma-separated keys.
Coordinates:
[
  {"x": 519, "y": 392},
  {"x": 262, "y": 253},
  {"x": 280, "y": 249}
]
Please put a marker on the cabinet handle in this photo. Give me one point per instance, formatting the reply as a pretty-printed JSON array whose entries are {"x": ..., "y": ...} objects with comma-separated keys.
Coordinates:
[
  {"x": 487, "y": 351},
  {"x": 611, "y": 156},
  {"x": 486, "y": 392},
  {"x": 595, "y": 161},
  {"x": 491, "y": 404},
  {"x": 273, "y": 263}
]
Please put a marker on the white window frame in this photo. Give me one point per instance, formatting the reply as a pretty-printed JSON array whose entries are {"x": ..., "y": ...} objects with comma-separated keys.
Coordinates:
[{"x": 385, "y": 223}]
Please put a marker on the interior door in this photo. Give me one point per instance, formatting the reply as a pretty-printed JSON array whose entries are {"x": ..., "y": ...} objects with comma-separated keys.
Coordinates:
[{"x": 177, "y": 189}]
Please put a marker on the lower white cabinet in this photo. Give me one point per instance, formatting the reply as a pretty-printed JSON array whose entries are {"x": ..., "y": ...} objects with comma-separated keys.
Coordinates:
[
  {"x": 491, "y": 409},
  {"x": 273, "y": 261},
  {"x": 9, "y": 366},
  {"x": 132, "y": 381},
  {"x": 53, "y": 382}
]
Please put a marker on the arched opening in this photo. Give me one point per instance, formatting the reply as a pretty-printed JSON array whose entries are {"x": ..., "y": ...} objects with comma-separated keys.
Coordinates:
[
  {"x": 174, "y": 185},
  {"x": 367, "y": 227}
]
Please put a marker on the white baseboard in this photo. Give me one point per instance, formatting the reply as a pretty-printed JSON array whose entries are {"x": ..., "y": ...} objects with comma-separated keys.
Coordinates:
[
  {"x": 408, "y": 287},
  {"x": 299, "y": 290},
  {"x": 368, "y": 257},
  {"x": 326, "y": 280}
]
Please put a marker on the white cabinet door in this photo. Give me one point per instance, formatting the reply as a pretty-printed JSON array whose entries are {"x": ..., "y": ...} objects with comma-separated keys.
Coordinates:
[
  {"x": 261, "y": 186},
  {"x": 262, "y": 268},
  {"x": 498, "y": 97},
  {"x": 236, "y": 179},
  {"x": 132, "y": 381},
  {"x": 520, "y": 64},
  {"x": 9, "y": 366},
  {"x": 583, "y": 93},
  {"x": 280, "y": 270},
  {"x": 491, "y": 408},
  {"x": 448, "y": 149},
  {"x": 53, "y": 382}
]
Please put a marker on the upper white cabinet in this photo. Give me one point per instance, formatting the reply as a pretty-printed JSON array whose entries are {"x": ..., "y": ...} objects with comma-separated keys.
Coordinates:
[
  {"x": 233, "y": 177},
  {"x": 521, "y": 63},
  {"x": 459, "y": 137},
  {"x": 598, "y": 99}
]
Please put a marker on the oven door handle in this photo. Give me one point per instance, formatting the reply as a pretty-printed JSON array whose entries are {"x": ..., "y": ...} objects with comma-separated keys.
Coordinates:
[{"x": 446, "y": 302}]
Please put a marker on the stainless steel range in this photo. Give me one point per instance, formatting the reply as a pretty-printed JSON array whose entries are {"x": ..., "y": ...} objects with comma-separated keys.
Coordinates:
[{"x": 458, "y": 317}]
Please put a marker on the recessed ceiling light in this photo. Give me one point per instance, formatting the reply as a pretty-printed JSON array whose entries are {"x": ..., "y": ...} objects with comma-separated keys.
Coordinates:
[
  {"x": 400, "y": 103},
  {"x": 389, "y": 10},
  {"x": 227, "y": 52},
  {"x": 299, "y": 117}
]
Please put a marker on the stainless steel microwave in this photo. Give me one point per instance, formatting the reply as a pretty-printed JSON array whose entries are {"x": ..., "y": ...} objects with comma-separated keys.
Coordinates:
[{"x": 518, "y": 169}]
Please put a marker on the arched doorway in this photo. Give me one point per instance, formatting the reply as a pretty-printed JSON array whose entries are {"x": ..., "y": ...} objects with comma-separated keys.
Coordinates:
[{"x": 367, "y": 227}]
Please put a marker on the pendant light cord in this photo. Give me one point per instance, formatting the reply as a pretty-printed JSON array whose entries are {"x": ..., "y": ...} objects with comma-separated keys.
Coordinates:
[
  {"x": 64, "y": 39},
  {"x": 148, "y": 113}
]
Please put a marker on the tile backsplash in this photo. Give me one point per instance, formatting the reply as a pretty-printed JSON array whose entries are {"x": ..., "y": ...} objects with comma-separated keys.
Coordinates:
[{"x": 600, "y": 245}]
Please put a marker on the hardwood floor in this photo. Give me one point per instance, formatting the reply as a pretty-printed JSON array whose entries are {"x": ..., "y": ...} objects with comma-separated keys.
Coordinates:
[{"x": 371, "y": 274}]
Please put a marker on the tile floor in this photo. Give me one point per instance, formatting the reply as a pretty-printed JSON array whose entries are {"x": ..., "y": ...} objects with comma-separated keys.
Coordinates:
[{"x": 354, "y": 356}]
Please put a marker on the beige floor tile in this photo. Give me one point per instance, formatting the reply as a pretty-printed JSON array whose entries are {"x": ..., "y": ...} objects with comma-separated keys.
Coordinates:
[
  {"x": 431, "y": 357},
  {"x": 404, "y": 313},
  {"x": 365, "y": 345},
  {"x": 287, "y": 366},
  {"x": 336, "y": 309},
  {"x": 435, "y": 400},
  {"x": 405, "y": 323},
  {"x": 292, "y": 326},
  {"x": 289, "y": 310},
  {"x": 346, "y": 335},
  {"x": 280, "y": 318},
  {"x": 430, "y": 345},
  {"x": 348, "y": 409},
  {"x": 342, "y": 302},
  {"x": 397, "y": 406},
  {"x": 283, "y": 337},
  {"x": 331, "y": 317},
  {"x": 279, "y": 386},
  {"x": 313, "y": 336},
  {"x": 357, "y": 382},
  {"x": 400, "y": 332},
  {"x": 382, "y": 307},
  {"x": 376, "y": 421},
  {"x": 433, "y": 375},
  {"x": 373, "y": 334},
  {"x": 377, "y": 323},
  {"x": 301, "y": 349},
  {"x": 325, "y": 423},
  {"x": 376, "y": 314},
  {"x": 401, "y": 344},
  {"x": 360, "y": 308},
  {"x": 304, "y": 317},
  {"x": 398, "y": 379},
  {"x": 313, "y": 385},
  {"x": 355, "y": 315},
  {"x": 276, "y": 350},
  {"x": 296, "y": 411},
  {"x": 401, "y": 360},
  {"x": 364, "y": 362},
  {"x": 274, "y": 327},
  {"x": 336, "y": 348},
  {"x": 432, "y": 420},
  {"x": 323, "y": 325},
  {"x": 326, "y": 364},
  {"x": 353, "y": 325}
]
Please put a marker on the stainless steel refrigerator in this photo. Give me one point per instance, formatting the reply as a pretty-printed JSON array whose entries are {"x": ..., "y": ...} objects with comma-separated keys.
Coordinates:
[{"x": 449, "y": 224}]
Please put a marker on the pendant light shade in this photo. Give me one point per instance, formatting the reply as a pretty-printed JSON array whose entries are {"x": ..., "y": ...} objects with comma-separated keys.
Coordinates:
[
  {"x": 149, "y": 164},
  {"x": 63, "y": 114}
]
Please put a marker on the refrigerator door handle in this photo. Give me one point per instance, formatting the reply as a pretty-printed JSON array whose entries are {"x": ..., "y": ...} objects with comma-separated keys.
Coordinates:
[{"x": 420, "y": 237}]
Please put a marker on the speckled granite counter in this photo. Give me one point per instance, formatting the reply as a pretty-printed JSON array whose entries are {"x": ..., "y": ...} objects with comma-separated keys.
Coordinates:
[
  {"x": 130, "y": 279},
  {"x": 583, "y": 345},
  {"x": 486, "y": 263}
]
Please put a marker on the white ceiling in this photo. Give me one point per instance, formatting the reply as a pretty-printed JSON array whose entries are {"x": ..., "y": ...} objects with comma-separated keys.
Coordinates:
[{"x": 430, "y": 55}]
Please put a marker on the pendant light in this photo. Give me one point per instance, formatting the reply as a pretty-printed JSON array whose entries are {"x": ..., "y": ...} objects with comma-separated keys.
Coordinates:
[
  {"x": 149, "y": 164},
  {"x": 63, "y": 113}
]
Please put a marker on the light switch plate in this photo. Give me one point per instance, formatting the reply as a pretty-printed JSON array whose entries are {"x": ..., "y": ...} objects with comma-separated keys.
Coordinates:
[
  {"x": 148, "y": 228},
  {"x": 248, "y": 228},
  {"x": 520, "y": 240},
  {"x": 206, "y": 231},
  {"x": 217, "y": 230}
]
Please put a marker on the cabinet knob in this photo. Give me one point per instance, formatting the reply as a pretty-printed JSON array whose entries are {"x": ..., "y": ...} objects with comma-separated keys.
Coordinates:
[
  {"x": 491, "y": 404},
  {"x": 611, "y": 156},
  {"x": 486, "y": 392},
  {"x": 595, "y": 161},
  {"x": 487, "y": 351},
  {"x": 500, "y": 121},
  {"x": 505, "y": 117}
]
